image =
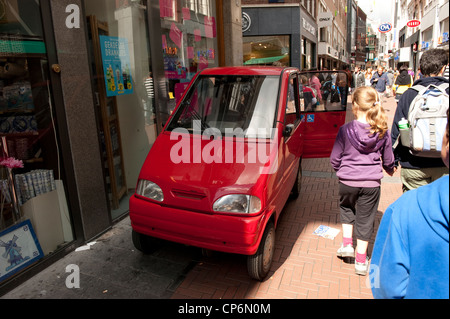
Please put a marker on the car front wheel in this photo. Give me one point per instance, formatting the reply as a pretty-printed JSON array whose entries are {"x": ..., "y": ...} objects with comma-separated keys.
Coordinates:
[
  {"x": 145, "y": 244},
  {"x": 258, "y": 265}
]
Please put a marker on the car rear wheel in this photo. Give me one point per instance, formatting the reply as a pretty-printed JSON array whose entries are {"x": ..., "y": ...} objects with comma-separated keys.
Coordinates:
[
  {"x": 258, "y": 265},
  {"x": 144, "y": 243}
]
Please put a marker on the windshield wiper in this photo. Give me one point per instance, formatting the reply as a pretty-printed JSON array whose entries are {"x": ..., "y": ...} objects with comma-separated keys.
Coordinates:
[{"x": 194, "y": 115}]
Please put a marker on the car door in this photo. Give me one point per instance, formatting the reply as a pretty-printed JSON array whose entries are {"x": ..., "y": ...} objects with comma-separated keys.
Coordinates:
[
  {"x": 323, "y": 108},
  {"x": 292, "y": 142}
]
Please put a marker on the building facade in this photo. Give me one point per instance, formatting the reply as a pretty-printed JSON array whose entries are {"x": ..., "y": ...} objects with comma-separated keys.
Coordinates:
[
  {"x": 431, "y": 31},
  {"x": 85, "y": 88},
  {"x": 332, "y": 23},
  {"x": 361, "y": 35}
]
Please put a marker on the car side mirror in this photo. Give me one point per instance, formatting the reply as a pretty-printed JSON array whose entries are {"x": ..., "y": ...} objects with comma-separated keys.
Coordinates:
[{"x": 288, "y": 130}]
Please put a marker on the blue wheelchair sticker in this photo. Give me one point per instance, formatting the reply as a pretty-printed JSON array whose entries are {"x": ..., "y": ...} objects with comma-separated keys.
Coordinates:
[{"x": 310, "y": 118}]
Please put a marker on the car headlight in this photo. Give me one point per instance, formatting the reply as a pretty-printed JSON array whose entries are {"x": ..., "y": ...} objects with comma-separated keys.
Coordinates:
[
  {"x": 150, "y": 190},
  {"x": 244, "y": 204}
]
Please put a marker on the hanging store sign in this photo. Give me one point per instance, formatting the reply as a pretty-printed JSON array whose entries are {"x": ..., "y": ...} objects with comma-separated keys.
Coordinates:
[
  {"x": 385, "y": 27},
  {"x": 413, "y": 23},
  {"x": 325, "y": 19}
]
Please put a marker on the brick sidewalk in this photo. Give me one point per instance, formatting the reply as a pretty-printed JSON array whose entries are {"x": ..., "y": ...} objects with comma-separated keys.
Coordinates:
[{"x": 305, "y": 266}]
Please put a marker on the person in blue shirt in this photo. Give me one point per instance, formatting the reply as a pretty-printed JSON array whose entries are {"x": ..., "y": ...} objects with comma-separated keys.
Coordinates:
[
  {"x": 380, "y": 80},
  {"x": 410, "y": 257}
]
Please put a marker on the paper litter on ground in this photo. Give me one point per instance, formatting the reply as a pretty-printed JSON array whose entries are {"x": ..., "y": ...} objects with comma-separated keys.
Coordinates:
[
  {"x": 85, "y": 247},
  {"x": 326, "y": 232}
]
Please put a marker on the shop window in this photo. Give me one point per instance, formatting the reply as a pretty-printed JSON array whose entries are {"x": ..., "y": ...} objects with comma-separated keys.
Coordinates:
[
  {"x": 34, "y": 215},
  {"x": 189, "y": 40},
  {"x": 267, "y": 50}
]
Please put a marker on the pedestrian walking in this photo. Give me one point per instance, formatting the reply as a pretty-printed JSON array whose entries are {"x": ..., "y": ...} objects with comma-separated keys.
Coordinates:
[
  {"x": 315, "y": 84},
  {"x": 358, "y": 78},
  {"x": 411, "y": 253},
  {"x": 344, "y": 82},
  {"x": 361, "y": 150},
  {"x": 368, "y": 77},
  {"x": 402, "y": 82},
  {"x": 379, "y": 81},
  {"x": 390, "y": 75},
  {"x": 418, "y": 171}
]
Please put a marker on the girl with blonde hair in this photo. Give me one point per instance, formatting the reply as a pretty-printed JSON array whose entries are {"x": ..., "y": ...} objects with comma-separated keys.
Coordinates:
[{"x": 362, "y": 149}]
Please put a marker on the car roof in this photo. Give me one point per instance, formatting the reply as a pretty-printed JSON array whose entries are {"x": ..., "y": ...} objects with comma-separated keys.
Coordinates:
[{"x": 245, "y": 70}]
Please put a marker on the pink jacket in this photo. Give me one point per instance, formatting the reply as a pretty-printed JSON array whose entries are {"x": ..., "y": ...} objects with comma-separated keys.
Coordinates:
[{"x": 315, "y": 84}]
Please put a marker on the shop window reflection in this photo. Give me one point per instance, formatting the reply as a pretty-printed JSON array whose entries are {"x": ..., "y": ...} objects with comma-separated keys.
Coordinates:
[{"x": 189, "y": 40}]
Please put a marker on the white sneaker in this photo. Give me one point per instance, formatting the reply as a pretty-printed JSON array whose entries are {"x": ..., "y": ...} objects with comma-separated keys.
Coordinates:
[
  {"x": 347, "y": 251},
  {"x": 362, "y": 268}
]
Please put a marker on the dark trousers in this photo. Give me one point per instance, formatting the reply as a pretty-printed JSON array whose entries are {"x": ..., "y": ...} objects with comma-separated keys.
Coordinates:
[
  {"x": 358, "y": 207},
  {"x": 344, "y": 94}
]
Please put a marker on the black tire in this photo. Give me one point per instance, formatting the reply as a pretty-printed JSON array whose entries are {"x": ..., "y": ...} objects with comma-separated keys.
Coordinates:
[
  {"x": 298, "y": 183},
  {"x": 144, "y": 243},
  {"x": 258, "y": 265}
]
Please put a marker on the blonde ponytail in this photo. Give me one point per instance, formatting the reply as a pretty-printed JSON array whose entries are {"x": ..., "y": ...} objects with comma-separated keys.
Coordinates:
[{"x": 366, "y": 100}]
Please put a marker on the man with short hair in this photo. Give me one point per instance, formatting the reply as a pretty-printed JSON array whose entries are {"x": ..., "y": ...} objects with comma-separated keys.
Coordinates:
[
  {"x": 418, "y": 171},
  {"x": 380, "y": 80}
]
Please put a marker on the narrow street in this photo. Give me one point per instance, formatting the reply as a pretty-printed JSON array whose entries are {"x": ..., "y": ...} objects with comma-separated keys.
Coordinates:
[{"x": 305, "y": 265}]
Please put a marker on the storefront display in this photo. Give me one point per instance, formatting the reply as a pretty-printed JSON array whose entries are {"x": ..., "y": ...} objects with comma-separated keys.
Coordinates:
[{"x": 34, "y": 215}]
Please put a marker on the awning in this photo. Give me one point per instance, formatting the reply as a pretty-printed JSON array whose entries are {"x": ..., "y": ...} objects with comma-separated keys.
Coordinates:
[{"x": 265, "y": 60}]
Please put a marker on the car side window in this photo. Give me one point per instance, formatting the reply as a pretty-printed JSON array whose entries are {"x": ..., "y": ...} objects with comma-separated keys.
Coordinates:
[{"x": 292, "y": 103}]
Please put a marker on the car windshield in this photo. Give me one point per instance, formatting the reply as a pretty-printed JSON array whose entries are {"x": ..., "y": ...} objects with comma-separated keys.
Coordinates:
[{"x": 242, "y": 106}]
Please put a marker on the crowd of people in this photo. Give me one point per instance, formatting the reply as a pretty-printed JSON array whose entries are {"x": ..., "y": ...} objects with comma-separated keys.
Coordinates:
[
  {"x": 334, "y": 86},
  {"x": 387, "y": 82},
  {"x": 410, "y": 258}
]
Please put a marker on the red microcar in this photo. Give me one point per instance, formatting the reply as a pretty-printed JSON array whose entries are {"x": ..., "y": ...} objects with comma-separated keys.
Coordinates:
[{"x": 228, "y": 159}]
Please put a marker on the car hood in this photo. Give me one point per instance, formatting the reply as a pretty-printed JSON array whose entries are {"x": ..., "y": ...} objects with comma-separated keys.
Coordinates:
[{"x": 192, "y": 181}]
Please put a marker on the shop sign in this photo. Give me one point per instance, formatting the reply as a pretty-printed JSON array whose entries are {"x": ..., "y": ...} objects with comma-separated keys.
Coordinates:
[
  {"x": 325, "y": 19},
  {"x": 309, "y": 27},
  {"x": 413, "y": 23},
  {"x": 246, "y": 22},
  {"x": 443, "y": 39},
  {"x": 116, "y": 65},
  {"x": 385, "y": 27}
]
